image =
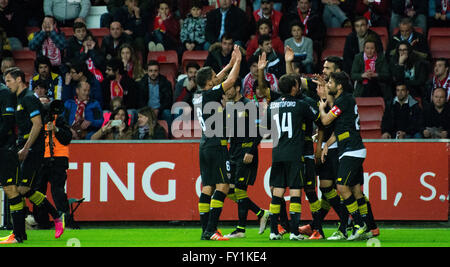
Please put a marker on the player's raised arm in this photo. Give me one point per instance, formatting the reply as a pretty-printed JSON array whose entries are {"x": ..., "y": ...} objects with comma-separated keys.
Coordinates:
[
  {"x": 326, "y": 118},
  {"x": 236, "y": 58}
]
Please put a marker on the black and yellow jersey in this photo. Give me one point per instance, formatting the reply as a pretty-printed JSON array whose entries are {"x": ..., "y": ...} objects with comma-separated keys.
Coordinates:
[{"x": 347, "y": 128}]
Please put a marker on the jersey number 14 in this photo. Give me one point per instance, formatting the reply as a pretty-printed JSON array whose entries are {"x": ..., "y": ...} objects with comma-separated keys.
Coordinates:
[{"x": 286, "y": 123}]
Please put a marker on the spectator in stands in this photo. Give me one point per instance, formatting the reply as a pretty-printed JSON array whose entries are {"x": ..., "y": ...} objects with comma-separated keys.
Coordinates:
[
  {"x": 226, "y": 19},
  {"x": 112, "y": 42},
  {"x": 82, "y": 113},
  {"x": 311, "y": 18},
  {"x": 438, "y": 13},
  {"x": 118, "y": 84},
  {"x": 147, "y": 126},
  {"x": 377, "y": 12},
  {"x": 134, "y": 23},
  {"x": 186, "y": 87},
  {"x": 407, "y": 33},
  {"x": 40, "y": 89},
  {"x": 437, "y": 116},
  {"x": 155, "y": 91},
  {"x": 49, "y": 42},
  {"x": 264, "y": 27},
  {"x": 220, "y": 55},
  {"x": 403, "y": 117},
  {"x": 66, "y": 12},
  {"x": 91, "y": 54},
  {"x": 131, "y": 62},
  {"x": 116, "y": 128},
  {"x": 44, "y": 72},
  {"x": 302, "y": 47},
  {"x": 248, "y": 84},
  {"x": 193, "y": 29},
  {"x": 276, "y": 63},
  {"x": 5, "y": 47},
  {"x": 338, "y": 13},
  {"x": 354, "y": 43},
  {"x": 441, "y": 78},
  {"x": 267, "y": 12},
  {"x": 415, "y": 10},
  {"x": 79, "y": 72},
  {"x": 6, "y": 63},
  {"x": 370, "y": 71},
  {"x": 145, "y": 7},
  {"x": 75, "y": 42},
  {"x": 406, "y": 65},
  {"x": 165, "y": 34},
  {"x": 13, "y": 21}
]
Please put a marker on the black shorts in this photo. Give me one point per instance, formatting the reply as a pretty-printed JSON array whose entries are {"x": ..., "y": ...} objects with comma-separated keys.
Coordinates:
[
  {"x": 8, "y": 167},
  {"x": 215, "y": 166},
  {"x": 350, "y": 172},
  {"x": 328, "y": 170},
  {"x": 243, "y": 174},
  {"x": 287, "y": 174},
  {"x": 30, "y": 166},
  {"x": 310, "y": 173}
]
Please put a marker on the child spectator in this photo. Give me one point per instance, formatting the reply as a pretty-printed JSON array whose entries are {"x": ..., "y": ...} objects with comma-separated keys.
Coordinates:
[
  {"x": 264, "y": 27},
  {"x": 75, "y": 43},
  {"x": 302, "y": 47},
  {"x": 165, "y": 30},
  {"x": 193, "y": 29}
]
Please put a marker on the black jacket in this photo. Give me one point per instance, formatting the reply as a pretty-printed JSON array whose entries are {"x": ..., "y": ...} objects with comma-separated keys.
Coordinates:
[
  {"x": 316, "y": 28},
  {"x": 420, "y": 46},
  {"x": 351, "y": 48},
  {"x": 130, "y": 92},
  {"x": 64, "y": 135},
  {"x": 407, "y": 118},
  {"x": 420, "y": 6},
  {"x": 217, "y": 61},
  {"x": 235, "y": 23},
  {"x": 165, "y": 92},
  {"x": 107, "y": 47}
]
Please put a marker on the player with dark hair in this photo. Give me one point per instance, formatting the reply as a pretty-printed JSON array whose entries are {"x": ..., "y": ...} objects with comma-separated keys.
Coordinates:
[
  {"x": 214, "y": 159},
  {"x": 288, "y": 115},
  {"x": 351, "y": 150},
  {"x": 241, "y": 114},
  {"x": 28, "y": 159}
]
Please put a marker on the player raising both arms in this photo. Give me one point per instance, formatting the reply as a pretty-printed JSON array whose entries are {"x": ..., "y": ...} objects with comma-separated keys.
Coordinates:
[{"x": 214, "y": 159}]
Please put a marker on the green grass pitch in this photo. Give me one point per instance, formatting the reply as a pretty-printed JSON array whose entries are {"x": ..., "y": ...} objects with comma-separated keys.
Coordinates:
[{"x": 189, "y": 236}]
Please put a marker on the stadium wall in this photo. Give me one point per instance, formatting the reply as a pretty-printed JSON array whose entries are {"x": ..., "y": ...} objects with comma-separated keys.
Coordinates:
[{"x": 160, "y": 181}]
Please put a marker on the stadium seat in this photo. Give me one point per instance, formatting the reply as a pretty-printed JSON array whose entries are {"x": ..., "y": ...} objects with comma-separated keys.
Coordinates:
[
  {"x": 335, "y": 42},
  {"x": 68, "y": 31},
  {"x": 371, "y": 111},
  {"x": 438, "y": 40},
  {"x": 168, "y": 61},
  {"x": 384, "y": 35},
  {"x": 99, "y": 33},
  {"x": 164, "y": 124},
  {"x": 206, "y": 9},
  {"x": 30, "y": 30},
  {"x": 25, "y": 61},
  {"x": 197, "y": 56}
]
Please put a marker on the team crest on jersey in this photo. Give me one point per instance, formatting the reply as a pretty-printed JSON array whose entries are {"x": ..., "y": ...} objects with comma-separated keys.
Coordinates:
[{"x": 19, "y": 107}]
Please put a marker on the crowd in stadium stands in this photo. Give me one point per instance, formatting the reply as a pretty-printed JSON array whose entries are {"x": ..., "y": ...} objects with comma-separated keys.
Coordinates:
[{"x": 113, "y": 88}]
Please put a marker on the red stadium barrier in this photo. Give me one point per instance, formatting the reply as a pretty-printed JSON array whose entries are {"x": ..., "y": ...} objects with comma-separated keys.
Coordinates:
[{"x": 160, "y": 181}]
